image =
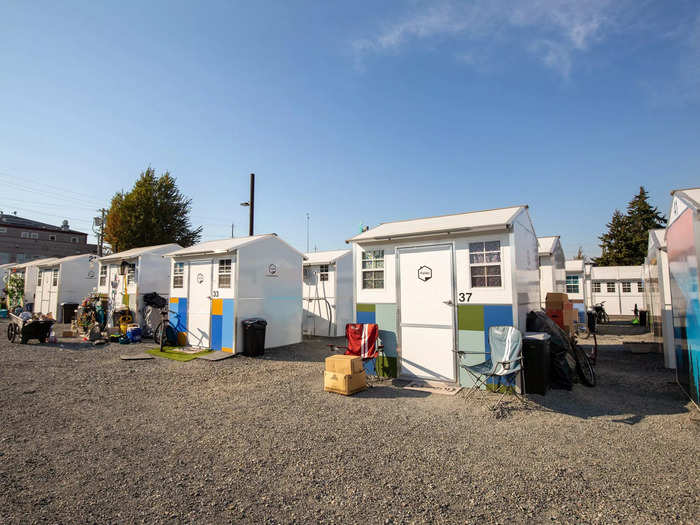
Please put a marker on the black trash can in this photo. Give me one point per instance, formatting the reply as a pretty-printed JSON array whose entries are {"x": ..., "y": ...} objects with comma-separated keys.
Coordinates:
[
  {"x": 254, "y": 336},
  {"x": 68, "y": 312},
  {"x": 643, "y": 318},
  {"x": 536, "y": 361}
]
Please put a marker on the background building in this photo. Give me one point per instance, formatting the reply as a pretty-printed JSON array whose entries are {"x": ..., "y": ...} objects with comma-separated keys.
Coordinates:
[{"x": 23, "y": 240}]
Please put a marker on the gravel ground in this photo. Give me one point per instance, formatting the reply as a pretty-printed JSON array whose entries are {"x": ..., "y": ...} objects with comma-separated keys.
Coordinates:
[{"x": 86, "y": 437}]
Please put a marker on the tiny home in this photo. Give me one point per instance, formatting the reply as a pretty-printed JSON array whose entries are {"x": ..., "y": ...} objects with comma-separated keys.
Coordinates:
[
  {"x": 327, "y": 292},
  {"x": 125, "y": 277},
  {"x": 437, "y": 284},
  {"x": 29, "y": 271},
  {"x": 576, "y": 282},
  {"x": 620, "y": 288},
  {"x": 552, "y": 266},
  {"x": 683, "y": 247},
  {"x": 217, "y": 284},
  {"x": 66, "y": 280},
  {"x": 658, "y": 293}
]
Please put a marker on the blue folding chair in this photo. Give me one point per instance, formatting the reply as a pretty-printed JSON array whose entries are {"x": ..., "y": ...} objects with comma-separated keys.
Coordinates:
[{"x": 506, "y": 359}]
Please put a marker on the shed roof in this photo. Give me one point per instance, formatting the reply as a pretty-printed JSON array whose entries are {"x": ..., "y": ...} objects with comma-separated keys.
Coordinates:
[
  {"x": 460, "y": 222},
  {"x": 226, "y": 245},
  {"x": 545, "y": 245},
  {"x": 56, "y": 262},
  {"x": 325, "y": 257},
  {"x": 137, "y": 252},
  {"x": 690, "y": 195},
  {"x": 35, "y": 262},
  {"x": 658, "y": 237}
]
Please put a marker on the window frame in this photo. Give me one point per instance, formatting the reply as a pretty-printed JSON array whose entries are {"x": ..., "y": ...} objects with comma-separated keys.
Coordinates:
[
  {"x": 597, "y": 286},
  {"x": 24, "y": 235},
  {"x": 3, "y": 229},
  {"x": 229, "y": 274},
  {"x": 607, "y": 287},
  {"x": 626, "y": 287},
  {"x": 52, "y": 237},
  {"x": 130, "y": 273},
  {"x": 378, "y": 255},
  {"x": 485, "y": 264},
  {"x": 640, "y": 287},
  {"x": 39, "y": 277},
  {"x": 74, "y": 240},
  {"x": 54, "y": 277},
  {"x": 576, "y": 284},
  {"x": 178, "y": 274},
  {"x": 103, "y": 275},
  {"x": 323, "y": 274}
]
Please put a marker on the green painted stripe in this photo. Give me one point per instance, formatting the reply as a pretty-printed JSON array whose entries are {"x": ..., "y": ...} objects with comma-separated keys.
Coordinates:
[
  {"x": 387, "y": 366},
  {"x": 470, "y": 317},
  {"x": 363, "y": 307}
]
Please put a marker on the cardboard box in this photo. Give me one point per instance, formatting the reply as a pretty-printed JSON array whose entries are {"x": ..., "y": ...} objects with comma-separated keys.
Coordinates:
[
  {"x": 556, "y": 301},
  {"x": 67, "y": 333},
  {"x": 344, "y": 364},
  {"x": 346, "y": 384}
]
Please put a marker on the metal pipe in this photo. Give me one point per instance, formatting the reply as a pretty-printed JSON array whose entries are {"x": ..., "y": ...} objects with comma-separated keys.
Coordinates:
[{"x": 252, "y": 203}]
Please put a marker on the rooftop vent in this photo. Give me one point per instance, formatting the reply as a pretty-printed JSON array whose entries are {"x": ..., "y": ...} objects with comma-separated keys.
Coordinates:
[{"x": 64, "y": 225}]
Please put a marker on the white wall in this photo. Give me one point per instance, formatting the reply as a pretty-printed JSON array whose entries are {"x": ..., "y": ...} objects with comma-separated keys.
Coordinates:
[
  {"x": 526, "y": 287},
  {"x": 618, "y": 302},
  {"x": 336, "y": 292}
]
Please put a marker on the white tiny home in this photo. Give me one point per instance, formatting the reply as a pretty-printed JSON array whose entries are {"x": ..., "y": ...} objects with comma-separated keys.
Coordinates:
[
  {"x": 327, "y": 292},
  {"x": 437, "y": 284},
  {"x": 134, "y": 273},
  {"x": 576, "y": 282},
  {"x": 29, "y": 271},
  {"x": 217, "y": 284},
  {"x": 658, "y": 293},
  {"x": 552, "y": 266},
  {"x": 620, "y": 287},
  {"x": 66, "y": 280}
]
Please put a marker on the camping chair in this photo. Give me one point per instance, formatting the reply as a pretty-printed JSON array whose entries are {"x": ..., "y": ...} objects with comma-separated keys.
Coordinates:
[
  {"x": 506, "y": 358},
  {"x": 362, "y": 340}
]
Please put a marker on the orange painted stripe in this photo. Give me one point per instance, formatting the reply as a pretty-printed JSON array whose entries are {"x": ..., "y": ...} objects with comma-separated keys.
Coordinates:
[
  {"x": 173, "y": 299},
  {"x": 217, "y": 307},
  {"x": 229, "y": 350}
]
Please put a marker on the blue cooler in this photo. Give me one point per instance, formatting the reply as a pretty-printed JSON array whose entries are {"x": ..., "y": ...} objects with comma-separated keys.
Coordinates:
[{"x": 133, "y": 333}]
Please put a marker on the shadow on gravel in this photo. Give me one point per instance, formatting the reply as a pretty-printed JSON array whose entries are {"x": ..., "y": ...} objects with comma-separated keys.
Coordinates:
[
  {"x": 629, "y": 386},
  {"x": 311, "y": 349},
  {"x": 390, "y": 392},
  {"x": 621, "y": 328}
]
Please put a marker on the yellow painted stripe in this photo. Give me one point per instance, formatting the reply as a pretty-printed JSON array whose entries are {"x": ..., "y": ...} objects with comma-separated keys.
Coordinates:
[
  {"x": 173, "y": 299},
  {"x": 229, "y": 350},
  {"x": 217, "y": 307}
]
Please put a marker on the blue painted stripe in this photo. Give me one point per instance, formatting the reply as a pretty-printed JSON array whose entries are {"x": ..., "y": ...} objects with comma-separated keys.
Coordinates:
[
  {"x": 366, "y": 317},
  {"x": 216, "y": 325},
  {"x": 182, "y": 310},
  {"x": 227, "y": 327}
]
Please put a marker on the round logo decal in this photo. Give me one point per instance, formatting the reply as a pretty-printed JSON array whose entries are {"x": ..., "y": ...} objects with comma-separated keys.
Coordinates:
[
  {"x": 200, "y": 278},
  {"x": 425, "y": 273},
  {"x": 272, "y": 269}
]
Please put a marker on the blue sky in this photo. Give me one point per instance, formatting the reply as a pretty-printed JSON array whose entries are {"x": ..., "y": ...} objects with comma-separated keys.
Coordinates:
[{"x": 355, "y": 112}]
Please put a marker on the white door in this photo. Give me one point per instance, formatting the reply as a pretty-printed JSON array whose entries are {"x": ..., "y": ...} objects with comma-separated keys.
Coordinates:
[
  {"x": 53, "y": 293},
  {"x": 199, "y": 304},
  {"x": 45, "y": 291},
  {"x": 427, "y": 312}
]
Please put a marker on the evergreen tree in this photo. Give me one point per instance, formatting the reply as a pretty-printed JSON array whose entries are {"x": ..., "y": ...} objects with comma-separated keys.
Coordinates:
[
  {"x": 616, "y": 242},
  {"x": 153, "y": 212},
  {"x": 642, "y": 217},
  {"x": 580, "y": 255}
]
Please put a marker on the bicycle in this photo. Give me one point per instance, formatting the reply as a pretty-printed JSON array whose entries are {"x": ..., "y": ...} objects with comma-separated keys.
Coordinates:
[
  {"x": 601, "y": 316},
  {"x": 584, "y": 364}
]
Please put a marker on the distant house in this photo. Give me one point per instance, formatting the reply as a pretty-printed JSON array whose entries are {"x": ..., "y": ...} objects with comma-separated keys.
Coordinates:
[
  {"x": 23, "y": 240},
  {"x": 552, "y": 266}
]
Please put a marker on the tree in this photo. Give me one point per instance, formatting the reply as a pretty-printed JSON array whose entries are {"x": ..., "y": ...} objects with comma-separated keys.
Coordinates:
[
  {"x": 625, "y": 242},
  {"x": 616, "y": 242},
  {"x": 642, "y": 217},
  {"x": 580, "y": 255},
  {"x": 153, "y": 212}
]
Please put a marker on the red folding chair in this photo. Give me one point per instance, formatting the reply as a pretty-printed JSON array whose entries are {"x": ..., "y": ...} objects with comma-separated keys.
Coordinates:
[{"x": 363, "y": 341}]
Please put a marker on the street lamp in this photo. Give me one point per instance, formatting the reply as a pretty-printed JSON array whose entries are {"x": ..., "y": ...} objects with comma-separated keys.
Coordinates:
[{"x": 251, "y": 203}]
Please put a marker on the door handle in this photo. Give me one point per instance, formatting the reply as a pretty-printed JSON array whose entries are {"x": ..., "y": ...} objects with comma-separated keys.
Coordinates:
[{"x": 448, "y": 303}]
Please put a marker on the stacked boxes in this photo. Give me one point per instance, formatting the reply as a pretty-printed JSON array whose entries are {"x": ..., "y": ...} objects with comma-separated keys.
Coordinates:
[
  {"x": 344, "y": 375},
  {"x": 560, "y": 310}
]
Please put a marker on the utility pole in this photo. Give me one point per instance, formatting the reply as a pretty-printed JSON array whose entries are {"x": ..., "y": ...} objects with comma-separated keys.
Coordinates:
[
  {"x": 251, "y": 204},
  {"x": 233, "y": 230},
  {"x": 308, "y": 218},
  {"x": 101, "y": 235}
]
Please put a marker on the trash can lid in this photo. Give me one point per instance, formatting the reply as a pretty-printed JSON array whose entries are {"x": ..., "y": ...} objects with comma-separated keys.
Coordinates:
[
  {"x": 254, "y": 320},
  {"x": 542, "y": 336}
]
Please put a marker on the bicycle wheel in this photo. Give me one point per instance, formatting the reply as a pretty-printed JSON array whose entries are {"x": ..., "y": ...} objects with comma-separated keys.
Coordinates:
[
  {"x": 158, "y": 332},
  {"x": 583, "y": 367},
  {"x": 583, "y": 332},
  {"x": 12, "y": 331}
]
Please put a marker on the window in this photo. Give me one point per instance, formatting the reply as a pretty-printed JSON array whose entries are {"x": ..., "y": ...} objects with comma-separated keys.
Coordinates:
[
  {"x": 24, "y": 235},
  {"x": 323, "y": 272},
  {"x": 34, "y": 235},
  {"x": 626, "y": 287},
  {"x": 74, "y": 240},
  {"x": 54, "y": 279},
  {"x": 52, "y": 237},
  {"x": 596, "y": 287},
  {"x": 485, "y": 264},
  {"x": 38, "y": 277},
  {"x": 373, "y": 269},
  {"x": 640, "y": 286},
  {"x": 130, "y": 272},
  {"x": 3, "y": 230},
  {"x": 225, "y": 273},
  {"x": 572, "y": 284},
  {"x": 179, "y": 275},
  {"x": 610, "y": 287},
  {"x": 20, "y": 257},
  {"x": 103, "y": 275}
]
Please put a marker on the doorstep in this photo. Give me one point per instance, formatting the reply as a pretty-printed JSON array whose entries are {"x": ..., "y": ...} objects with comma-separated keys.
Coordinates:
[{"x": 446, "y": 388}]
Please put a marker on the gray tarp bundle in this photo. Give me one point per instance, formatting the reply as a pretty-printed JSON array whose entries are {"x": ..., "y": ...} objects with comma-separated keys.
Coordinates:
[{"x": 563, "y": 363}]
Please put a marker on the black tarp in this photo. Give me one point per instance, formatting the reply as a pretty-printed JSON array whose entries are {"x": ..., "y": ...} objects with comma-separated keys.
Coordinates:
[{"x": 563, "y": 363}]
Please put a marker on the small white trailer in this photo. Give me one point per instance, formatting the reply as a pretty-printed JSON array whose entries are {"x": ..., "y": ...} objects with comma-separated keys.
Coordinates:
[
  {"x": 619, "y": 287},
  {"x": 66, "y": 280},
  {"x": 125, "y": 277},
  {"x": 552, "y": 266},
  {"x": 217, "y": 284},
  {"x": 436, "y": 285},
  {"x": 29, "y": 271},
  {"x": 576, "y": 282},
  {"x": 327, "y": 292}
]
